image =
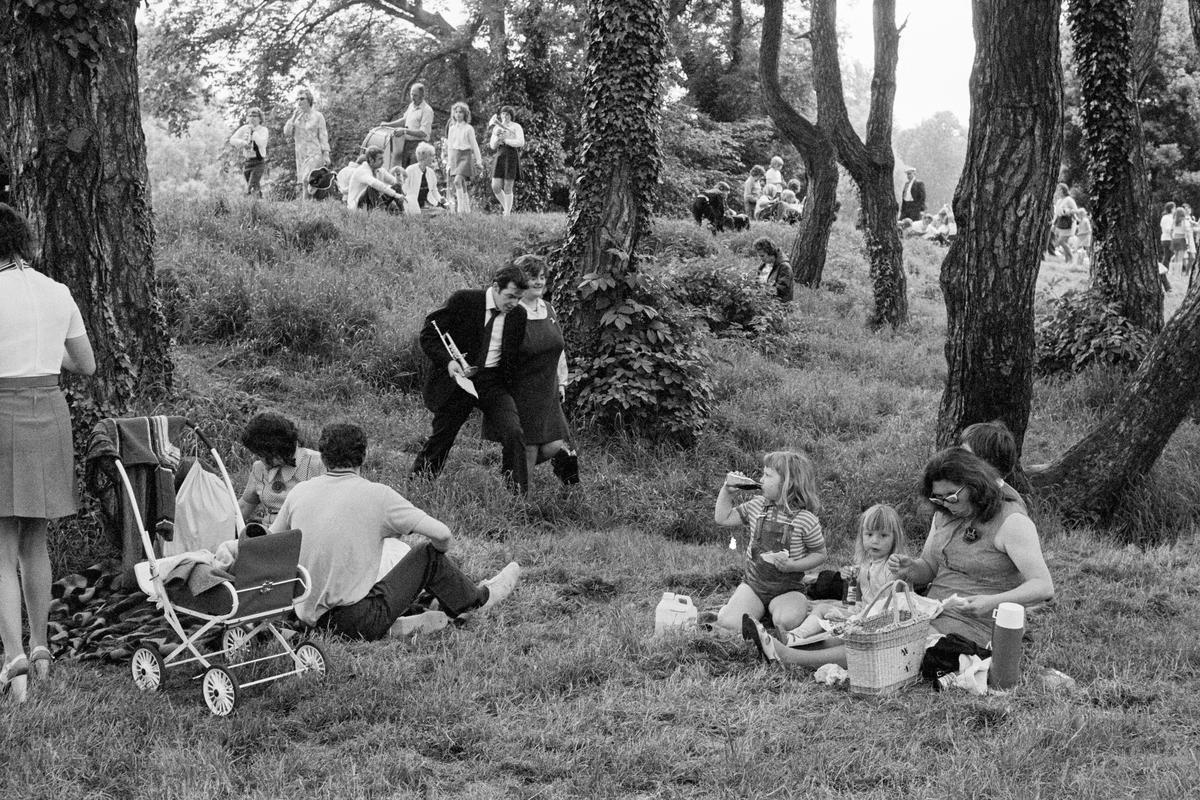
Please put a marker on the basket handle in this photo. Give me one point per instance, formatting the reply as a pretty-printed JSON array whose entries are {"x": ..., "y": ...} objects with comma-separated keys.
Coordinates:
[{"x": 889, "y": 592}]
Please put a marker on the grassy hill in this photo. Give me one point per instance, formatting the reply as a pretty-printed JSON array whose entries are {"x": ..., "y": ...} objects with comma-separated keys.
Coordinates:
[{"x": 563, "y": 692}]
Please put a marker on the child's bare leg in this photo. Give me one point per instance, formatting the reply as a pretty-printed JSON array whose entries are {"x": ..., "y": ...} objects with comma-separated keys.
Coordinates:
[
  {"x": 789, "y": 610},
  {"x": 743, "y": 601}
]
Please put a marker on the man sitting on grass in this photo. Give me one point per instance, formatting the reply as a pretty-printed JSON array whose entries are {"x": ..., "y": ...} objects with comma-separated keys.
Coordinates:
[{"x": 345, "y": 518}]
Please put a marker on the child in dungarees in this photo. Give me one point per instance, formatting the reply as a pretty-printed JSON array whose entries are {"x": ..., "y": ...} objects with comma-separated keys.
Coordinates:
[
  {"x": 880, "y": 533},
  {"x": 784, "y": 541}
]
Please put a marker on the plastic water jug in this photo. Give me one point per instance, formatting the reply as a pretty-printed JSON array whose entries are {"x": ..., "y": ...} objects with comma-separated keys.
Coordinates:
[
  {"x": 1007, "y": 630},
  {"x": 674, "y": 612}
]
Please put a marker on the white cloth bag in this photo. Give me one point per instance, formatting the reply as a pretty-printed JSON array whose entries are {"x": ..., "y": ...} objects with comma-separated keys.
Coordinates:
[{"x": 204, "y": 513}]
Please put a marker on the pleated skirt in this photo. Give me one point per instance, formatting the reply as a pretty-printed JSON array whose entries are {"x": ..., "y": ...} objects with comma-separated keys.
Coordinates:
[{"x": 37, "y": 458}]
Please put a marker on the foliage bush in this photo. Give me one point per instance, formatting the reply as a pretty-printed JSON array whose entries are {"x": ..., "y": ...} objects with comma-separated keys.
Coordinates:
[
  {"x": 1081, "y": 329},
  {"x": 730, "y": 303}
]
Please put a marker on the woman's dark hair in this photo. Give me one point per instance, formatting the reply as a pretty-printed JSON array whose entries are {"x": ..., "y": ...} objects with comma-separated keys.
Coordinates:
[
  {"x": 767, "y": 246},
  {"x": 511, "y": 274},
  {"x": 757, "y": 171},
  {"x": 16, "y": 237},
  {"x": 533, "y": 265},
  {"x": 966, "y": 469},
  {"x": 343, "y": 445},
  {"x": 272, "y": 437},
  {"x": 994, "y": 443},
  {"x": 512, "y": 112}
]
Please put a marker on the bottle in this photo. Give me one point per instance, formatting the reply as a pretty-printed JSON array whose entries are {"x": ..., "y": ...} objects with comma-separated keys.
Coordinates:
[
  {"x": 1007, "y": 629},
  {"x": 851, "y": 594},
  {"x": 739, "y": 481},
  {"x": 674, "y": 612}
]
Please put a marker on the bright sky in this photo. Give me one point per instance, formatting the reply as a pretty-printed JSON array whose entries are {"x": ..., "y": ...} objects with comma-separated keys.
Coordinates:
[{"x": 937, "y": 47}]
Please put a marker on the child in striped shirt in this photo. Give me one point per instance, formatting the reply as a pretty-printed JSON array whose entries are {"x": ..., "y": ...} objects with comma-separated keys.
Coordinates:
[{"x": 785, "y": 541}]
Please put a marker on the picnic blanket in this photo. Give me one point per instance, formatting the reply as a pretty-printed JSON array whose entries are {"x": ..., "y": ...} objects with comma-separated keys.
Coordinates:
[{"x": 91, "y": 620}]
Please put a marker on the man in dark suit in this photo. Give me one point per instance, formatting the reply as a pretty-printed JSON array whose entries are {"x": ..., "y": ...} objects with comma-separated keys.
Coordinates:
[
  {"x": 912, "y": 196},
  {"x": 488, "y": 326}
]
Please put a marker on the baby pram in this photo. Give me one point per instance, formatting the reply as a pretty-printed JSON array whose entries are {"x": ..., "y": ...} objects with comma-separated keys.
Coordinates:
[{"x": 267, "y": 582}]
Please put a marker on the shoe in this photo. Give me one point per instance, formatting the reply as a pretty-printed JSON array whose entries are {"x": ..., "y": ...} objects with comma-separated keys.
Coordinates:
[
  {"x": 14, "y": 679},
  {"x": 501, "y": 584},
  {"x": 757, "y": 635},
  {"x": 565, "y": 464},
  {"x": 39, "y": 659},
  {"x": 425, "y": 622}
]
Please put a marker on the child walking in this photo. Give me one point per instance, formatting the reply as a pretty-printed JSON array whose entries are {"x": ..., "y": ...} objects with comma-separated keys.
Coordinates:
[
  {"x": 784, "y": 541},
  {"x": 880, "y": 533}
]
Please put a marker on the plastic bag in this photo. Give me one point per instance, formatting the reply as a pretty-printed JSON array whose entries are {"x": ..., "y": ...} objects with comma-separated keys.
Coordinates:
[{"x": 204, "y": 513}]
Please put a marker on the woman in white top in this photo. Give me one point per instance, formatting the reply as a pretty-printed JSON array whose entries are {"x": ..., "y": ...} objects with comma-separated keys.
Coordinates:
[
  {"x": 282, "y": 463},
  {"x": 420, "y": 183},
  {"x": 41, "y": 334},
  {"x": 252, "y": 138},
  {"x": 463, "y": 159},
  {"x": 507, "y": 140},
  {"x": 1064, "y": 221},
  {"x": 312, "y": 139},
  {"x": 365, "y": 185}
]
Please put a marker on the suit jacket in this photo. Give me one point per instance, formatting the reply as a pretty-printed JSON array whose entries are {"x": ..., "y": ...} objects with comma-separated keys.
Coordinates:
[{"x": 462, "y": 317}]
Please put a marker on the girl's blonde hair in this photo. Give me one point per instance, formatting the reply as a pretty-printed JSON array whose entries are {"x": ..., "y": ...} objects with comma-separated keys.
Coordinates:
[
  {"x": 466, "y": 109},
  {"x": 797, "y": 481},
  {"x": 880, "y": 517}
]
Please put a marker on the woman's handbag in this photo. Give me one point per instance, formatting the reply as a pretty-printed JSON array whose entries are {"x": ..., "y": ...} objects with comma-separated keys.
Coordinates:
[{"x": 885, "y": 645}]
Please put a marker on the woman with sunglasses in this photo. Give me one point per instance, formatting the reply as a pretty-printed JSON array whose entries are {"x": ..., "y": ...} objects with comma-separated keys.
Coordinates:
[{"x": 981, "y": 547}]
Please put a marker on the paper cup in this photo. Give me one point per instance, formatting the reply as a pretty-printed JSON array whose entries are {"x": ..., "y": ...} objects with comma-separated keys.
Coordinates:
[{"x": 1010, "y": 615}]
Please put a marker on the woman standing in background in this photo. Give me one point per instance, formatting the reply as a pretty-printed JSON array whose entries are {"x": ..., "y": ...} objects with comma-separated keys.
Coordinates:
[
  {"x": 252, "y": 138},
  {"x": 307, "y": 125}
]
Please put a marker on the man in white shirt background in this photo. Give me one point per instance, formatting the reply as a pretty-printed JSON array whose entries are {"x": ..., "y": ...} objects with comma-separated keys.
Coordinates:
[{"x": 415, "y": 125}]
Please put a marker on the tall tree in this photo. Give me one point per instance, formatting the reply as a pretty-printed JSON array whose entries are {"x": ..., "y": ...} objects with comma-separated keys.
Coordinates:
[
  {"x": 815, "y": 147},
  {"x": 870, "y": 164},
  {"x": 1001, "y": 205},
  {"x": 1125, "y": 230},
  {"x": 71, "y": 131},
  {"x": 636, "y": 369}
]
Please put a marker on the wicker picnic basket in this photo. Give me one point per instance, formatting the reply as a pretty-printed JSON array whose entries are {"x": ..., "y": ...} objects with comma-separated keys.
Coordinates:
[{"x": 884, "y": 650}]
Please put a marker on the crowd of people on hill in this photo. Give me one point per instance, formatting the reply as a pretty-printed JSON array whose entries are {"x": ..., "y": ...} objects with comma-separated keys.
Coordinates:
[{"x": 398, "y": 164}]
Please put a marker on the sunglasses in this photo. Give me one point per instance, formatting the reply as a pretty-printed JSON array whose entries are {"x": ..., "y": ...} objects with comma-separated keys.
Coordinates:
[{"x": 947, "y": 499}]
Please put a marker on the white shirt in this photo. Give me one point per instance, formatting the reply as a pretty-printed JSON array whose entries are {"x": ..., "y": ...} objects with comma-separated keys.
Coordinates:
[
  {"x": 419, "y": 118},
  {"x": 363, "y": 178},
  {"x": 493, "y": 351},
  {"x": 1164, "y": 225},
  {"x": 774, "y": 176},
  {"x": 248, "y": 134},
  {"x": 907, "y": 194},
  {"x": 37, "y": 315},
  {"x": 412, "y": 188},
  {"x": 514, "y": 135}
]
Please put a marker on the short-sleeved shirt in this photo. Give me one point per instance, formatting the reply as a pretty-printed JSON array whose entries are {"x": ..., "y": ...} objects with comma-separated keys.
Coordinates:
[
  {"x": 773, "y": 529},
  {"x": 419, "y": 118},
  {"x": 263, "y": 481},
  {"x": 345, "y": 519},
  {"x": 37, "y": 315}
]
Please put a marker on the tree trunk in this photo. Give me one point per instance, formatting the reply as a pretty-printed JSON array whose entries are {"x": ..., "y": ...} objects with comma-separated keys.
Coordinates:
[
  {"x": 812, "y": 240},
  {"x": 1002, "y": 205},
  {"x": 71, "y": 131},
  {"x": 1087, "y": 482},
  {"x": 1126, "y": 235},
  {"x": 733, "y": 41},
  {"x": 1147, "y": 24},
  {"x": 871, "y": 164}
]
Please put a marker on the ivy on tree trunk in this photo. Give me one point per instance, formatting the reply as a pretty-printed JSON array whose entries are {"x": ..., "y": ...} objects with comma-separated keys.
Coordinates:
[
  {"x": 71, "y": 132},
  {"x": 871, "y": 165},
  {"x": 1002, "y": 205},
  {"x": 1125, "y": 230},
  {"x": 814, "y": 146}
]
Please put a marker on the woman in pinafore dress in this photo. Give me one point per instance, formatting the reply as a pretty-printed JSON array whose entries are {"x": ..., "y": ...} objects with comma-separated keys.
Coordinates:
[
  {"x": 41, "y": 334},
  {"x": 542, "y": 382}
]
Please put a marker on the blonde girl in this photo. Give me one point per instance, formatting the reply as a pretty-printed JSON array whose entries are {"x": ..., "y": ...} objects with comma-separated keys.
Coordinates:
[
  {"x": 880, "y": 533},
  {"x": 463, "y": 158},
  {"x": 784, "y": 541}
]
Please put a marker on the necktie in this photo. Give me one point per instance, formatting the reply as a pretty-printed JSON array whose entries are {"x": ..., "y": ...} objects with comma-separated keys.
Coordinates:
[{"x": 481, "y": 358}]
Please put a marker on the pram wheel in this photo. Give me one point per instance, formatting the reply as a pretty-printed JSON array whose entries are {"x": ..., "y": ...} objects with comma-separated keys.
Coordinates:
[
  {"x": 235, "y": 643},
  {"x": 220, "y": 691},
  {"x": 312, "y": 659},
  {"x": 148, "y": 668}
]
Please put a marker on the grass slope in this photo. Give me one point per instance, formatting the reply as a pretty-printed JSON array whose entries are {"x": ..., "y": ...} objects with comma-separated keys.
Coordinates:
[{"x": 563, "y": 693}]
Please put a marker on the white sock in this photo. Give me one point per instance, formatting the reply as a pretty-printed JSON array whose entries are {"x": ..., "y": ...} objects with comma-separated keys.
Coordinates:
[{"x": 507, "y": 202}]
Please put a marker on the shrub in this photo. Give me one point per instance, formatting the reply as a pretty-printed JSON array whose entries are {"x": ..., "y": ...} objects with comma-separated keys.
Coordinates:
[
  {"x": 730, "y": 303},
  {"x": 1082, "y": 328}
]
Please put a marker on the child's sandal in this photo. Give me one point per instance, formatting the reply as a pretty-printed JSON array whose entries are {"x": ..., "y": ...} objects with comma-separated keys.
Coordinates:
[
  {"x": 14, "y": 679},
  {"x": 39, "y": 659}
]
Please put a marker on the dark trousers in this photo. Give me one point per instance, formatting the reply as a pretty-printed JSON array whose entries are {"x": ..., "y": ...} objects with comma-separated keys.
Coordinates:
[
  {"x": 1167, "y": 252},
  {"x": 252, "y": 171},
  {"x": 408, "y": 153},
  {"x": 910, "y": 209},
  {"x": 500, "y": 417},
  {"x": 423, "y": 569}
]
